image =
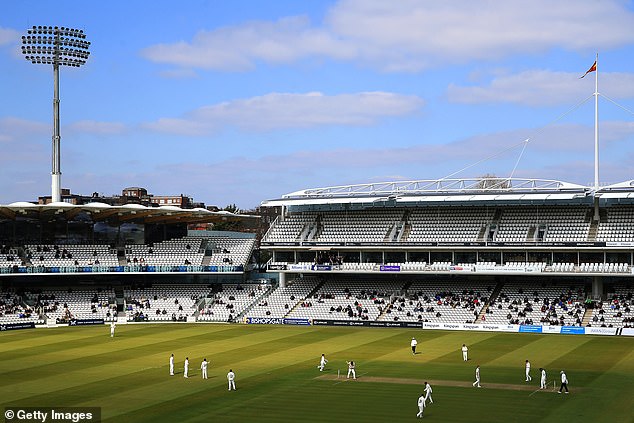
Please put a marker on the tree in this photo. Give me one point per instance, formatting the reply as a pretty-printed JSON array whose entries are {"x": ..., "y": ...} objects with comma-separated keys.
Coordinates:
[{"x": 490, "y": 181}]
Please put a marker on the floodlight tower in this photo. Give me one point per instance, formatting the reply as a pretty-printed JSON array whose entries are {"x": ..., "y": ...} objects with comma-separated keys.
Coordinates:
[{"x": 52, "y": 45}]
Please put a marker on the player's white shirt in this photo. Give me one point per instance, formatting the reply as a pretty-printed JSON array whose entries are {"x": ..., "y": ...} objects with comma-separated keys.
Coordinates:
[
  {"x": 477, "y": 373},
  {"x": 323, "y": 360},
  {"x": 465, "y": 349},
  {"x": 428, "y": 389},
  {"x": 528, "y": 365},
  {"x": 421, "y": 401},
  {"x": 203, "y": 365},
  {"x": 564, "y": 379},
  {"x": 544, "y": 374},
  {"x": 414, "y": 342}
]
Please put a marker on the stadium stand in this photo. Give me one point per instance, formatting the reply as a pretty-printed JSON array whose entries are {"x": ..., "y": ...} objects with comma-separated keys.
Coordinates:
[
  {"x": 175, "y": 252},
  {"x": 346, "y": 299},
  {"x": 13, "y": 309},
  {"x": 164, "y": 302},
  {"x": 69, "y": 255},
  {"x": 231, "y": 301},
  {"x": 63, "y": 305},
  {"x": 538, "y": 303},
  {"x": 617, "y": 310},
  {"x": 282, "y": 300},
  {"x": 440, "y": 301}
]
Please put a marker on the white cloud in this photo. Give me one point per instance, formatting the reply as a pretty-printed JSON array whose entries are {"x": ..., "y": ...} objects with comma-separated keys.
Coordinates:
[
  {"x": 542, "y": 88},
  {"x": 12, "y": 128},
  {"x": 409, "y": 35},
  {"x": 8, "y": 36},
  {"x": 285, "y": 110},
  {"x": 240, "y": 47},
  {"x": 97, "y": 128}
]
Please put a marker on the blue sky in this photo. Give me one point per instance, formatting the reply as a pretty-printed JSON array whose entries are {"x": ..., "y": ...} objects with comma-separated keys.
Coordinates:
[{"x": 242, "y": 101}]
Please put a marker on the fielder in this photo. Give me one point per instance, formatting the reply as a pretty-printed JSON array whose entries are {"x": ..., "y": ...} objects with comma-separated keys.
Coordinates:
[
  {"x": 465, "y": 352},
  {"x": 203, "y": 367},
  {"x": 172, "y": 365},
  {"x": 428, "y": 392},
  {"x": 421, "y": 406},
  {"x": 231, "y": 379},
  {"x": 413, "y": 344},
  {"x": 112, "y": 326},
  {"x": 528, "y": 371},
  {"x": 564, "y": 382},
  {"x": 542, "y": 383},
  {"x": 186, "y": 369},
  {"x": 322, "y": 363},
  {"x": 477, "y": 376},
  {"x": 351, "y": 370}
]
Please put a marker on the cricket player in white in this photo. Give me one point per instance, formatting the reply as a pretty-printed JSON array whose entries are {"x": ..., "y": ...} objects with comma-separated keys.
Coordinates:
[
  {"x": 477, "y": 375},
  {"x": 186, "y": 367},
  {"x": 542, "y": 384},
  {"x": 528, "y": 371},
  {"x": 428, "y": 392},
  {"x": 322, "y": 363},
  {"x": 231, "y": 379},
  {"x": 465, "y": 352},
  {"x": 351, "y": 370},
  {"x": 172, "y": 365},
  {"x": 421, "y": 406},
  {"x": 203, "y": 367},
  {"x": 413, "y": 344},
  {"x": 112, "y": 326}
]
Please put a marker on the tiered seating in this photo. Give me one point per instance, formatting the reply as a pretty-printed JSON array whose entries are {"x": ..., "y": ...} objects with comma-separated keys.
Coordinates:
[
  {"x": 9, "y": 257},
  {"x": 290, "y": 229},
  {"x": 173, "y": 252},
  {"x": 604, "y": 267},
  {"x": 562, "y": 224},
  {"x": 69, "y": 255},
  {"x": 617, "y": 310},
  {"x": 282, "y": 300},
  {"x": 230, "y": 251},
  {"x": 562, "y": 267},
  {"x": 357, "y": 226},
  {"x": 12, "y": 309},
  {"x": 342, "y": 299},
  {"x": 440, "y": 301},
  {"x": 63, "y": 305},
  {"x": 163, "y": 302},
  {"x": 447, "y": 224},
  {"x": 231, "y": 301},
  {"x": 530, "y": 302},
  {"x": 359, "y": 266},
  {"x": 618, "y": 227}
]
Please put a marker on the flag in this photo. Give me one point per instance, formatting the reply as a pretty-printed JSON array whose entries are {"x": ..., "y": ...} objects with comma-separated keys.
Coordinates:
[{"x": 593, "y": 68}]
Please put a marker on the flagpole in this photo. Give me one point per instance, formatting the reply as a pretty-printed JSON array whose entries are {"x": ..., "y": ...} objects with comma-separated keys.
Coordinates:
[{"x": 596, "y": 125}]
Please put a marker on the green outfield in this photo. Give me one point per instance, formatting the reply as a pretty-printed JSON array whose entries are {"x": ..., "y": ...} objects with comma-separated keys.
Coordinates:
[{"x": 278, "y": 381}]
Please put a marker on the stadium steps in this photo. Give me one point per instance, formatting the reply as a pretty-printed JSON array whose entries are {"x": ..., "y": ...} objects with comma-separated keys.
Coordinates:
[
  {"x": 587, "y": 317},
  {"x": 244, "y": 313},
  {"x": 494, "y": 294},
  {"x": 482, "y": 233},
  {"x": 119, "y": 298},
  {"x": 592, "y": 231},
  {"x": 310, "y": 294}
]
